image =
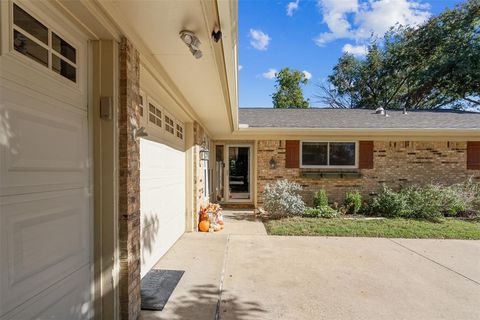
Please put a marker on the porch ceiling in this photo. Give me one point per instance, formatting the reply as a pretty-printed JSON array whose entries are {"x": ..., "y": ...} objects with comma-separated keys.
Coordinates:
[{"x": 202, "y": 83}]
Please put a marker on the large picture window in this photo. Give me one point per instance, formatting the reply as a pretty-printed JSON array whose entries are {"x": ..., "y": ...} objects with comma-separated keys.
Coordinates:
[{"x": 329, "y": 154}]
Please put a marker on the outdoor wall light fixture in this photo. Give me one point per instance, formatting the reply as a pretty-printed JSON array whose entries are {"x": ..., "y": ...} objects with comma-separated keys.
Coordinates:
[
  {"x": 204, "y": 154},
  {"x": 192, "y": 42},
  {"x": 273, "y": 163},
  {"x": 139, "y": 133}
]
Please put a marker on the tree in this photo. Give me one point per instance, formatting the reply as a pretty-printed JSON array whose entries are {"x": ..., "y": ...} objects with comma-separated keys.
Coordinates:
[
  {"x": 434, "y": 65},
  {"x": 289, "y": 93}
]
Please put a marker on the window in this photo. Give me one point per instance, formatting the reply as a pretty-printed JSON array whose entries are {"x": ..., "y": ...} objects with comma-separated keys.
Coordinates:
[
  {"x": 328, "y": 154},
  {"x": 34, "y": 40},
  {"x": 179, "y": 131},
  {"x": 169, "y": 125},
  {"x": 154, "y": 115}
]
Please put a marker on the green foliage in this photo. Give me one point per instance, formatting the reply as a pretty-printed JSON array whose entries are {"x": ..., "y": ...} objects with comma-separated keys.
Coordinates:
[
  {"x": 288, "y": 92},
  {"x": 327, "y": 212},
  {"x": 453, "y": 200},
  {"x": 311, "y": 212},
  {"x": 431, "y": 202},
  {"x": 320, "y": 199},
  {"x": 353, "y": 202},
  {"x": 390, "y": 204},
  {"x": 436, "y": 64},
  {"x": 423, "y": 203},
  {"x": 320, "y": 212}
]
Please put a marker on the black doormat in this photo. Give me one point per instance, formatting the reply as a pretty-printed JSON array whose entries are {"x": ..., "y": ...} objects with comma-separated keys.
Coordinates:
[{"x": 157, "y": 286}]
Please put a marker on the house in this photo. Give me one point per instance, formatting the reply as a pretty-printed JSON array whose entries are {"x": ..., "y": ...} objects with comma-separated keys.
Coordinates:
[
  {"x": 341, "y": 150},
  {"x": 120, "y": 119},
  {"x": 88, "y": 202}
]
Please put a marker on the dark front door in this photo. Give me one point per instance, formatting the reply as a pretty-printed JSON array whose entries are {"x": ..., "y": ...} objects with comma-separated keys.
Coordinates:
[{"x": 239, "y": 173}]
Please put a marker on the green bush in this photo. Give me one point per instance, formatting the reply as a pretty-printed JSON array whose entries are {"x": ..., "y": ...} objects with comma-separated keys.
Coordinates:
[
  {"x": 321, "y": 212},
  {"x": 353, "y": 202},
  {"x": 453, "y": 200},
  {"x": 327, "y": 212},
  {"x": 389, "y": 203},
  {"x": 424, "y": 203},
  {"x": 311, "y": 212},
  {"x": 431, "y": 202},
  {"x": 320, "y": 199}
]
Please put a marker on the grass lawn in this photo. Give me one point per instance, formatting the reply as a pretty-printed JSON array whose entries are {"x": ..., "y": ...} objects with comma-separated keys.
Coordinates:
[{"x": 386, "y": 228}]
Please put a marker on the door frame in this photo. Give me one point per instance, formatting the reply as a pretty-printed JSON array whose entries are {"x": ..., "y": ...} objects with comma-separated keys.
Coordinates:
[{"x": 227, "y": 174}]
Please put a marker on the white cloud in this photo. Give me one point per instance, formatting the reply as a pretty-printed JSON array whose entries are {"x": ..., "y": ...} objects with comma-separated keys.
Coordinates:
[
  {"x": 307, "y": 74},
  {"x": 270, "y": 74},
  {"x": 358, "y": 51},
  {"x": 350, "y": 19},
  {"x": 240, "y": 67},
  {"x": 259, "y": 40},
  {"x": 292, "y": 7}
]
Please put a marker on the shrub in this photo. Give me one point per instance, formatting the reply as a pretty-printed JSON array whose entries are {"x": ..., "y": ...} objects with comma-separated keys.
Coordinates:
[
  {"x": 283, "y": 199},
  {"x": 453, "y": 200},
  {"x": 469, "y": 192},
  {"x": 311, "y": 212},
  {"x": 389, "y": 204},
  {"x": 327, "y": 212},
  {"x": 320, "y": 212},
  {"x": 320, "y": 199},
  {"x": 353, "y": 202},
  {"x": 424, "y": 203}
]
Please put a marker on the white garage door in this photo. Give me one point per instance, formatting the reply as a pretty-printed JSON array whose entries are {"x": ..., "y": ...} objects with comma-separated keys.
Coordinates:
[
  {"x": 45, "y": 202},
  {"x": 162, "y": 200}
]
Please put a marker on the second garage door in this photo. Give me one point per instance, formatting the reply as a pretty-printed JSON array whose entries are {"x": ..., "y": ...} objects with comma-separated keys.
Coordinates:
[{"x": 162, "y": 200}]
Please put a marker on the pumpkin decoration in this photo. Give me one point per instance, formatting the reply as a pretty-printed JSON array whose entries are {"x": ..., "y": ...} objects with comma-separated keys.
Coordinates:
[{"x": 204, "y": 226}]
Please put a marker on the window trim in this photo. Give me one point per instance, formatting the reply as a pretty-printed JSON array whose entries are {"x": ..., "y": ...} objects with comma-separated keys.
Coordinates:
[{"x": 328, "y": 155}]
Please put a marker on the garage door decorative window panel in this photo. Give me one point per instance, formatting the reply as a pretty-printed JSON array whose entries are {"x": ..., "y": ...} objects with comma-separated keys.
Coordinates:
[{"x": 36, "y": 41}]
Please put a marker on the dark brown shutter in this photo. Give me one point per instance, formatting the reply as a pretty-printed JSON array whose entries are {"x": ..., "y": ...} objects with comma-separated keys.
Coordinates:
[
  {"x": 365, "y": 151},
  {"x": 473, "y": 155},
  {"x": 292, "y": 154}
]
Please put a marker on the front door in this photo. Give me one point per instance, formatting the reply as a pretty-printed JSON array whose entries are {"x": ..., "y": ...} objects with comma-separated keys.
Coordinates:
[{"x": 238, "y": 173}]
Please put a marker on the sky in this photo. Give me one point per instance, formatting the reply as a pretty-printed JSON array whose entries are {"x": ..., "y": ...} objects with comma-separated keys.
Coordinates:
[{"x": 310, "y": 36}]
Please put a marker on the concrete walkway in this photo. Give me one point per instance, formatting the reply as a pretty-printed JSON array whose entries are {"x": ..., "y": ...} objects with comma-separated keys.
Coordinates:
[{"x": 241, "y": 273}]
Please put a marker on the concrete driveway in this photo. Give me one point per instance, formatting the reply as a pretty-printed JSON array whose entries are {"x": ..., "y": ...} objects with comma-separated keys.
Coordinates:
[{"x": 242, "y": 273}]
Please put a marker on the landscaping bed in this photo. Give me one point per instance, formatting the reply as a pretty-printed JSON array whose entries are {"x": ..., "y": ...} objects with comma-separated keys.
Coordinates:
[
  {"x": 430, "y": 211},
  {"x": 449, "y": 228}
]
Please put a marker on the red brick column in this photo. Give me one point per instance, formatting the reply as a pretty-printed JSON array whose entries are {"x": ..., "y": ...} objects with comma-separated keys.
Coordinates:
[{"x": 129, "y": 183}]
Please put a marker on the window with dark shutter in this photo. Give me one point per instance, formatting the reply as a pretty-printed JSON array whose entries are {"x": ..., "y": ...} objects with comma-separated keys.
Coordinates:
[
  {"x": 292, "y": 153},
  {"x": 473, "y": 155},
  {"x": 365, "y": 160}
]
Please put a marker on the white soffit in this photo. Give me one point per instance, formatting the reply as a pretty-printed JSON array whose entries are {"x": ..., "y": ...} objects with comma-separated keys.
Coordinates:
[{"x": 157, "y": 24}]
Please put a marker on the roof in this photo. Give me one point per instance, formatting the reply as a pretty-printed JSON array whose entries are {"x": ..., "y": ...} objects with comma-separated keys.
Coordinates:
[{"x": 357, "y": 119}]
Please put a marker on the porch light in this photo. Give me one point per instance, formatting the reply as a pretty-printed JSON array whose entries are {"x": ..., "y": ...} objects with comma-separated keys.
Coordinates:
[
  {"x": 273, "y": 163},
  {"x": 204, "y": 154},
  {"x": 192, "y": 42}
]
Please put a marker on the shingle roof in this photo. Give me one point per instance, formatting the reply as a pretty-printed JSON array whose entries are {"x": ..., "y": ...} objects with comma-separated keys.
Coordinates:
[{"x": 357, "y": 119}]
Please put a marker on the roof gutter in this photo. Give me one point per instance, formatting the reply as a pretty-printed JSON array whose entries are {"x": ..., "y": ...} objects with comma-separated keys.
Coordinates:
[{"x": 384, "y": 133}]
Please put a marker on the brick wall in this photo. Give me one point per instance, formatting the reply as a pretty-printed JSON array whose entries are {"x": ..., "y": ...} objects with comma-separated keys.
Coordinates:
[
  {"x": 396, "y": 164},
  {"x": 129, "y": 183}
]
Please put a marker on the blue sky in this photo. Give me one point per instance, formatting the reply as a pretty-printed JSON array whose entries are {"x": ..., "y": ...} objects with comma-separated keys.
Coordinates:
[{"x": 310, "y": 35}]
